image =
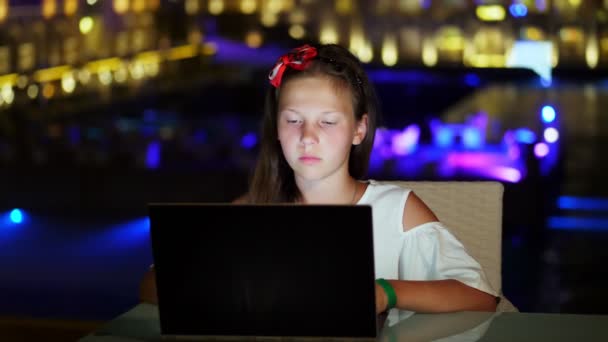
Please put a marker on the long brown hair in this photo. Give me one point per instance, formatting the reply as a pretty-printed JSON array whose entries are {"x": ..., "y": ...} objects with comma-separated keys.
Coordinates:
[{"x": 273, "y": 179}]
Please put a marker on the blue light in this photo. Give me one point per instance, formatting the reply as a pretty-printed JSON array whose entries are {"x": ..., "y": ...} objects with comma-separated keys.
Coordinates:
[
  {"x": 578, "y": 223},
  {"x": 548, "y": 114},
  {"x": 525, "y": 136},
  {"x": 444, "y": 137},
  {"x": 200, "y": 136},
  {"x": 136, "y": 230},
  {"x": 471, "y": 138},
  {"x": 150, "y": 115},
  {"x": 545, "y": 82},
  {"x": 390, "y": 76},
  {"x": 74, "y": 134},
  {"x": 148, "y": 130},
  {"x": 153, "y": 155},
  {"x": 249, "y": 140},
  {"x": 472, "y": 80},
  {"x": 516, "y": 241},
  {"x": 582, "y": 203},
  {"x": 16, "y": 216},
  {"x": 518, "y": 10},
  {"x": 122, "y": 235}
]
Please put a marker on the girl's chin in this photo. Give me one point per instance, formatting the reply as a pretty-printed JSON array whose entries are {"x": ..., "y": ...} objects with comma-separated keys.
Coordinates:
[{"x": 309, "y": 176}]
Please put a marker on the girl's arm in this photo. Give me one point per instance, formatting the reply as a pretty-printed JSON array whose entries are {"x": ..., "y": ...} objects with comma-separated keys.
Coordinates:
[
  {"x": 147, "y": 287},
  {"x": 432, "y": 295}
]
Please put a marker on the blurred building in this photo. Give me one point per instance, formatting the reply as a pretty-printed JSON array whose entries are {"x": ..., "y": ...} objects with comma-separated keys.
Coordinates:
[{"x": 52, "y": 48}]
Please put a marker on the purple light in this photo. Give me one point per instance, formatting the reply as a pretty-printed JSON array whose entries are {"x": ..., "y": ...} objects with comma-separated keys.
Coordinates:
[
  {"x": 509, "y": 138},
  {"x": 474, "y": 160},
  {"x": 484, "y": 164},
  {"x": 551, "y": 135},
  {"x": 541, "y": 4},
  {"x": 249, "y": 140},
  {"x": 153, "y": 155},
  {"x": 386, "y": 152},
  {"x": 541, "y": 150},
  {"x": 502, "y": 173},
  {"x": 405, "y": 142},
  {"x": 514, "y": 152},
  {"x": 479, "y": 120},
  {"x": 380, "y": 137},
  {"x": 508, "y": 174},
  {"x": 382, "y": 143}
]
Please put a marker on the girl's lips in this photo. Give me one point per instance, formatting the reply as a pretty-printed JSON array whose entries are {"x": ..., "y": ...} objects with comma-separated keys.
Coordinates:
[{"x": 309, "y": 159}]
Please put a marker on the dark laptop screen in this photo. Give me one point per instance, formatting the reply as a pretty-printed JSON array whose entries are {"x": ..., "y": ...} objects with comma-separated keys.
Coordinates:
[{"x": 264, "y": 270}]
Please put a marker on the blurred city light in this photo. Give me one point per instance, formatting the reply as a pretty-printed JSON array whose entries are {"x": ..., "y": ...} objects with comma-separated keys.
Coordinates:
[
  {"x": 541, "y": 150},
  {"x": 548, "y": 114},
  {"x": 86, "y": 25},
  {"x": 551, "y": 135},
  {"x": 525, "y": 136},
  {"x": 490, "y": 12},
  {"x": 16, "y": 216},
  {"x": 518, "y": 10}
]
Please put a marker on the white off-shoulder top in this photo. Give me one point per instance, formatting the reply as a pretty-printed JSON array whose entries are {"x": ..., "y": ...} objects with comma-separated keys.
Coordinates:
[{"x": 425, "y": 252}]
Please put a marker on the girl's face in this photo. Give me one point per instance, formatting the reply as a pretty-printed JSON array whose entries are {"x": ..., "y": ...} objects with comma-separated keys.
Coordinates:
[{"x": 317, "y": 127}]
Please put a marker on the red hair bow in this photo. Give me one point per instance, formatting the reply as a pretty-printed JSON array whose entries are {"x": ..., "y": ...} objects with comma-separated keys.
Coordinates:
[{"x": 297, "y": 59}]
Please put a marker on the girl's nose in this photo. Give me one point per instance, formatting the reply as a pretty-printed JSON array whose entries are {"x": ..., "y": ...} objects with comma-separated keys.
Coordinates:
[{"x": 309, "y": 135}]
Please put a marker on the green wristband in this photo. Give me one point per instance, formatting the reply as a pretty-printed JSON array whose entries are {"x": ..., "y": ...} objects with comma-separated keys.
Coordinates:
[{"x": 390, "y": 292}]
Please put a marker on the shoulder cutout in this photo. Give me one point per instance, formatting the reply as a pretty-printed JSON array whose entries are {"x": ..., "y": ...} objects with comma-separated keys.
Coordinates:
[{"x": 416, "y": 212}]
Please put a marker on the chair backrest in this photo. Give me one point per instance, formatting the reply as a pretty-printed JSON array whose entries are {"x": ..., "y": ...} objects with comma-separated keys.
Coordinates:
[{"x": 473, "y": 213}]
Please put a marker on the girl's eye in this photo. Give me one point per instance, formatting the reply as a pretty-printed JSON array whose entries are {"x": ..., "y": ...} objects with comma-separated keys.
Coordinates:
[
  {"x": 328, "y": 122},
  {"x": 293, "y": 121}
]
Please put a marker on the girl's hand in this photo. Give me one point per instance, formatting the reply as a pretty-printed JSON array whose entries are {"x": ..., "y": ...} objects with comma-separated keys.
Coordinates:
[{"x": 381, "y": 299}]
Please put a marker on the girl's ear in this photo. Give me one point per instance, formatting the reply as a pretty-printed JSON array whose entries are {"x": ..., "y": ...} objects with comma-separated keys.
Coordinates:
[{"x": 360, "y": 130}]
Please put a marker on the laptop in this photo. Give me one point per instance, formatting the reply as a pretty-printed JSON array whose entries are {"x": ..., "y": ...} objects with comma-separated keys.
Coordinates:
[{"x": 227, "y": 271}]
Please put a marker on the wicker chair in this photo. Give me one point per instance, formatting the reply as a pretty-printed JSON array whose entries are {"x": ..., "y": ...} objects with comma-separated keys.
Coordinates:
[{"x": 473, "y": 213}]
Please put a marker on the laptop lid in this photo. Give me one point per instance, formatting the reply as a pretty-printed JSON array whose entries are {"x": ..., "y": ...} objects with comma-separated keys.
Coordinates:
[{"x": 272, "y": 270}]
